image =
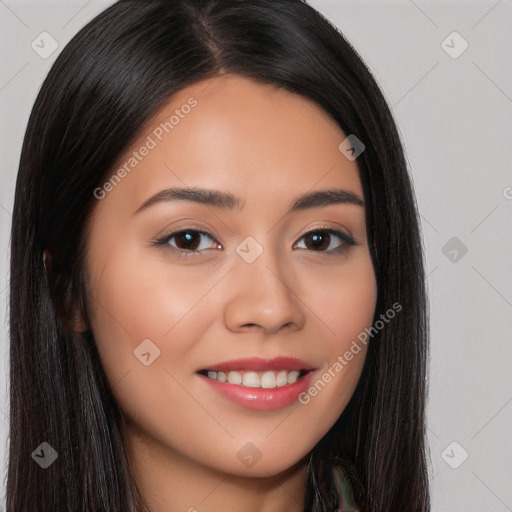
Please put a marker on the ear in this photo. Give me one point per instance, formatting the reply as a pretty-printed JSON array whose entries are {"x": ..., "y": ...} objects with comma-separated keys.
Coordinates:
[
  {"x": 78, "y": 323},
  {"x": 47, "y": 260}
]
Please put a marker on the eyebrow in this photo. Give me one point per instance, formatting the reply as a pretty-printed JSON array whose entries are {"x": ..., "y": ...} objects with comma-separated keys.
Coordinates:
[{"x": 227, "y": 201}]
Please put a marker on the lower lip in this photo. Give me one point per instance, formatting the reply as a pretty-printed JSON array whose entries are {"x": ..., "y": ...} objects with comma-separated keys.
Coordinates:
[{"x": 262, "y": 399}]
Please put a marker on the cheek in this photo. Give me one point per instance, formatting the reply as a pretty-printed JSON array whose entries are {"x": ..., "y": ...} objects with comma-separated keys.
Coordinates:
[
  {"x": 345, "y": 302},
  {"x": 346, "y": 307},
  {"x": 132, "y": 301},
  {"x": 136, "y": 301}
]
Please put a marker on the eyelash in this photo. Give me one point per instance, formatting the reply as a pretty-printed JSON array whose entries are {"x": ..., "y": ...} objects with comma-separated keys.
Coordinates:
[{"x": 347, "y": 240}]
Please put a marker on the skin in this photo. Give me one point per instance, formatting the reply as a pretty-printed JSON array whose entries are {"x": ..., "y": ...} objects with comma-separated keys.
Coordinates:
[{"x": 267, "y": 147}]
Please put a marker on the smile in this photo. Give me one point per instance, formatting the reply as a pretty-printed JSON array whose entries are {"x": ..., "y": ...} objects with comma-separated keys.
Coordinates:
[{"x": 260, "y": 384}]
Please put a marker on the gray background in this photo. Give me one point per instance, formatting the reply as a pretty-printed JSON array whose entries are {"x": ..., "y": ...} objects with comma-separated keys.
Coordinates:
[{"x": 455, "y": 117}]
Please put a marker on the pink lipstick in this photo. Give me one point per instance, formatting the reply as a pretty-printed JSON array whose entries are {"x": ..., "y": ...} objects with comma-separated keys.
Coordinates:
[{"x": 258, "y": 383}]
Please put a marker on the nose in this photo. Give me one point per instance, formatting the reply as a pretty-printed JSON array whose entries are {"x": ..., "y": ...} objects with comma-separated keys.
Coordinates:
[{"x": 260, "y": 295}]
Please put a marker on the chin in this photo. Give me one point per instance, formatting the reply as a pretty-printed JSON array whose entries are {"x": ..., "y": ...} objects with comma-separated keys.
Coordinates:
[{"x": 268, "y": 466}]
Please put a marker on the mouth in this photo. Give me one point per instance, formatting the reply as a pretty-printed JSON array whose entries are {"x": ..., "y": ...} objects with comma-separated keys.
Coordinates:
[{"x": 260, "y": 384}]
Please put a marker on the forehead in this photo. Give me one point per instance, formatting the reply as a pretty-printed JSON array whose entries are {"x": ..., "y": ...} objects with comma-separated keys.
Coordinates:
[{"x": 234, "y": 134}]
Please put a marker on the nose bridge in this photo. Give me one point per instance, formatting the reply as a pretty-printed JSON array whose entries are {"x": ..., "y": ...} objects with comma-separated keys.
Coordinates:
[{"x": 261, "y": 290}]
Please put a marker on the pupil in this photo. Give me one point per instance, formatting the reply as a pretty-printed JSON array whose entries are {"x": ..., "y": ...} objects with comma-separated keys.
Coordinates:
[
  {"x": 187, "y": 236},
  {"x": 317, "y": 240}
]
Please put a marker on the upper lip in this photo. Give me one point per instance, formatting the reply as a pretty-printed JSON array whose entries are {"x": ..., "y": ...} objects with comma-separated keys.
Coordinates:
[{"x": 261, "y": 364}]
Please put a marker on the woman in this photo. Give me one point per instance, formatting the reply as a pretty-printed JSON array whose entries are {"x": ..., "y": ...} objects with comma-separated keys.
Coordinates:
[{"x": 280, "y": 366}]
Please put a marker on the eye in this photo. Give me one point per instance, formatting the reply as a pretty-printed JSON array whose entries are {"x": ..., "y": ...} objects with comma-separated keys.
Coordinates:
[
  {"x": 188, "y": 241},
  {"x": 320, "y": 240}
]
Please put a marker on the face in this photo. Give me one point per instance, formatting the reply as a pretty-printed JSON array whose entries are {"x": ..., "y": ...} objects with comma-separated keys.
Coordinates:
[{"x": 244, "y": 286}]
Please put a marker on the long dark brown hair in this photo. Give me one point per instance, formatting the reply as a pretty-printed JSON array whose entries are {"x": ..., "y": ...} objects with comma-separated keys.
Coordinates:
[{"x": 108, "y": 81}]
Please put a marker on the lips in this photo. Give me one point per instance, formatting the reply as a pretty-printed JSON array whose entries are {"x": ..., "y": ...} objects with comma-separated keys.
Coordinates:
[{"x": 258, "y": 383}]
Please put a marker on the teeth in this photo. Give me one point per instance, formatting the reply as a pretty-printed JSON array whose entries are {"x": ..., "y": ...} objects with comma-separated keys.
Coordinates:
[
  {"x": 251, "y": 379},
  {"x": 292, "y": 376},
  {"x": 268, "y": 380},
  {"x": 234, "y": 378},
  {"x": 281, "y": 379}
]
